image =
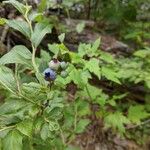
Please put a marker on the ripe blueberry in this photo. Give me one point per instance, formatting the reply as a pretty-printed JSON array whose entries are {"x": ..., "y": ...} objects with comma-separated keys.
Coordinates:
[{"x": 49, "y": 74}]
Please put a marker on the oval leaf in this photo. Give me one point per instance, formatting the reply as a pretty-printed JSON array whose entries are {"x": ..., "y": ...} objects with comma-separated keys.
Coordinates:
[
  {"x": 13, "y": 141},
  {"x": 20, "y": 26},
  {"x": 40, "y": 31},
  {"x": 18, "y": 54},
  {"x": 7, "y": 79},
  {"x": 25, "y": 127}
]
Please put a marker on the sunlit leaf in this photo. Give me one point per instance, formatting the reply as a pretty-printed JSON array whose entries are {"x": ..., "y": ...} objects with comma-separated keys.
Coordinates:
[
  {"x": 81, "y": 125},
  {"x": 93, "y": 66},
  {"x": 136, "y": 113},
  {"x": 117, "y": 121},
  {"x": 13, "y": 141},
  {"x": 25, "y": 127}
]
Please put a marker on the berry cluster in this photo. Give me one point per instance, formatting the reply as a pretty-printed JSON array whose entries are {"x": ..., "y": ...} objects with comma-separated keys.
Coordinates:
[{"x": 55, "y": 67}]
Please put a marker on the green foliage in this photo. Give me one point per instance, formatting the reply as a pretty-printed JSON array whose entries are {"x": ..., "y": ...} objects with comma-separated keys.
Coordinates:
[
  {"x": 136, "y": 113},
  {"x": 40, "y": 31},
  {"x": 48, "y": 114},
  {"x": 80, "y": 27},
  {"x": 7, "y": 79},
  {"x": 13, "y": 141},
  {"x": 21, "y": 26},
  {"x": 116, "y": 120},
  {"x": 93, "y": 66},
  {"x": 136, "y": 69},
  {"x": 18, "y": 54},
  {"x": 25, "y": 127},
  {"x": 23, "y": 9}
]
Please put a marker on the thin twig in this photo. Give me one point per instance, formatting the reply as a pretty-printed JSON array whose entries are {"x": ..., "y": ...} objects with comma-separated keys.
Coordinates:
[
  {"x": 75, "y": 118},
  {"x": 4, "y": 34},
  {"x": 16, "y": 77},
  {"x": 62, "y": 137},
  {"x": 138, "y": 125}
]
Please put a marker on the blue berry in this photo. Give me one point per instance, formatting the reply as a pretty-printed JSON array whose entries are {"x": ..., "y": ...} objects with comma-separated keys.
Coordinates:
[{"x": 49, "y": 74}]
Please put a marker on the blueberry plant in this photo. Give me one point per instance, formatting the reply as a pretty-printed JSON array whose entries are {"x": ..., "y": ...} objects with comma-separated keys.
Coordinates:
[{"x": 49, "y": 97}]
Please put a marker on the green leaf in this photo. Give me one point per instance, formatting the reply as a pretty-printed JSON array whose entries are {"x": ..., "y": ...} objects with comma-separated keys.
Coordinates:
[
  {"x": 41, "y": 79},
  {"x": 136, "y": 113},
  {"x": 81, "y": 125},
  {"x": 2, "y": 21},
  {"x": 84, "y": 49},
  {"x": 107, "y": 57},
  {"x": 53, "y": 126},
  {"x": 96, "y": 45},
  {"x": 75, "y": 58},
  {"x": 80, "y": 27},
  {"x": 75, "y": 76},
  {"x": 70, "y": 147},
  {"x": 13, "y": 141},
  {"x": 33, "y": 91},
  {"x": 61, "y": 37},
  {"x": 117, "y": 121},
  {"x": 37, "y": 124},
  {"x": 40, "y": 31},
  {"x": 18, "y": 54},
  {"x": 110, "y": 74},
  {"x": 54, "y": 48},
  {"x": 112, "y": 101},
  {"x": 85, "y": 75},
  {"x": 12, "y": 106},
  {"x": 94, "y": 91},
  {"x": 21, "y": 26},
  {"x": 142, "y": 53},
  {"x": 0, "y": 144},
  {"x": 57, "y": 103},
  {"x": 25, "y": 127},
  {"x": 45, "y": 56},
  {"x": 83, "y": 108},
  {"x": 45, "y": 131},
  {"x": 42, "y": 6},
  {"x": 102, "y": 99},
  {"x": 3, "y": 133},
  {"x": 19, "y": 6},
  {"x": 93, "y": 66},
  {"x": 34, "y": 16},
  {"x": 7, "y": 79}
]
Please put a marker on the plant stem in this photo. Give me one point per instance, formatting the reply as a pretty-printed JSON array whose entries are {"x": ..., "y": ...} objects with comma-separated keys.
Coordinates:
[
  {"x": 5, "y": 128},
  {"x": 33, "y": 48},
  {"x": 16, "y": 77},
  {"x": 29, "y": 23},
  {"x": 75, "y": 118},
  {"x": 62, "y": 137},
  {"x": 138, "y": 125},
  {"x": 33, "y": 59}
]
